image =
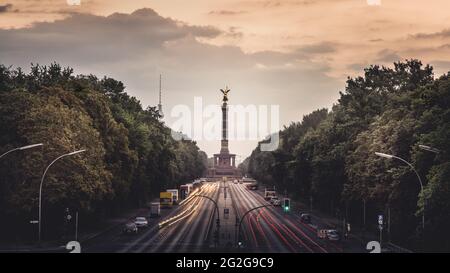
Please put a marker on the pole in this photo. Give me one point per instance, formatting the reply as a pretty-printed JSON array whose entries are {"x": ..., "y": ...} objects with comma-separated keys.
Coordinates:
[
  {"x": 76, "y": 226},
  {"x": 389, "y": 224},
  {"x": 245, "y": 214},
  {"x": 217, "y": 211},
  {"x": 418, "y": 177},
  {"x": 364, "y": 213},
  {"x": 421, "y": 189},
  {"x": 381, "y": 235},
  {"x": 40, "y": 188}
]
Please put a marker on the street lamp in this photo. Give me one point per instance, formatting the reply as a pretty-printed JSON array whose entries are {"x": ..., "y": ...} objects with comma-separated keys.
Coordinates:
[
  {"x": 42, "y": 181},
  {"x": 429, "y": 149},
  {"x": 239, "y": 222},
  {"x": 388, "y": 156},
  {"x": 21, "y": 148}
]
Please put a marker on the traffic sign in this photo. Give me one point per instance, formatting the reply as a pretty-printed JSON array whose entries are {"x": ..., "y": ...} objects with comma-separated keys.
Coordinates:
[{"x": 34, "y": 222}]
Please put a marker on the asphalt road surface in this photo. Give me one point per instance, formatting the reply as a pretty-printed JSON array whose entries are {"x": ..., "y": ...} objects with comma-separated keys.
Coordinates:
[{"x": 190, "y": 227}]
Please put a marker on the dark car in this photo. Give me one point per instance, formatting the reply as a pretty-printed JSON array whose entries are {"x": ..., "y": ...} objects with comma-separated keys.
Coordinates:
[
  {"x": 305, "y": 218},
  {"x": 130, "y": 228}
]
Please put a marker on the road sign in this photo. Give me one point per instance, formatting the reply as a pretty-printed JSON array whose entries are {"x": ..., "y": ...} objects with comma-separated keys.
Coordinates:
[{"x": 380, "y": 219}]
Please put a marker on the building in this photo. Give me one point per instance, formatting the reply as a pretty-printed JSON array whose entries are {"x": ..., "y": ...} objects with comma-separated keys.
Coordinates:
[{"x": 224, "y": 163}]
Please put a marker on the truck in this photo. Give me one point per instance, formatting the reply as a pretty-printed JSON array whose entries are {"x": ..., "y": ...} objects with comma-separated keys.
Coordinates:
[
  {"x": 166, "y": 199},
  {"x": 268, "y": 194},
  {"x": 185, "y": 190},
  {"x": 174, "y": 196},
  {"x": 155, "y": 209},
  {"x": 252, "y": 186},
  {"x": 197, "y": 184}
]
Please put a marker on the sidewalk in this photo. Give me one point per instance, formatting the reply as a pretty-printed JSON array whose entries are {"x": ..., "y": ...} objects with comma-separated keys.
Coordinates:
[
  {"x": 357, "y": 235},
  {"x": 102, "y": 227},
  {"x": 111, "y": 223}
]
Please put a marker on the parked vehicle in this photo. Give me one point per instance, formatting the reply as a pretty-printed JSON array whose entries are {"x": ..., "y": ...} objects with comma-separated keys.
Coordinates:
[
  {"x": 268, "y": 194},
  {"x": 305, "y": 218},
  {"x": 333, "y": 235},
  {"x": 174, "y": 196},
  {"x": 322, "y": 233},
  {"x": 141, "y": 222},
  {"x": 166, "y": 199},
  {"x": 275, "y": 201},
  {"x": 185, "y": 190},
  {"x": 155, "y": 209},
  {"x": 130, "y": 228},
  {"x": 197, "y": 184}
]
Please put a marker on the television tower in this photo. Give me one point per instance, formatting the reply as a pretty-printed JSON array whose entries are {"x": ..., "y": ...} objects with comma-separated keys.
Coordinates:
[{"x": 159, "y": 104}]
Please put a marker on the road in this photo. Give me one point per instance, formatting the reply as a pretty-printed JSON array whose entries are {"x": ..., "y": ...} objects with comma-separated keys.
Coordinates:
[
  {"x": 184, "y": 228},
  {"x": 269, "y": 229},
  {"x": 190, "y": 227}
]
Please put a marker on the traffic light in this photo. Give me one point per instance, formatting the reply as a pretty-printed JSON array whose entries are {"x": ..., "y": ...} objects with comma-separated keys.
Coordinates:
[{"x": 287, "y": 204}]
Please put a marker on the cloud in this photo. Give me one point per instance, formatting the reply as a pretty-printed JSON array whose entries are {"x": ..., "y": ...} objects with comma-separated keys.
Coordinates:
[
  {"x": 5, "y": 8},
  {"x": 226, "y": 12},
  {"x": 388, "y": 56},
  {"x": 358, "y": 67},
  {"x": 441, "y": 34},
  {"x": 135, "y": 48},
  {"x": 84, "y": 36},
  {"x": 318, "y": 48},
  {"x": 281, "y": 3}
]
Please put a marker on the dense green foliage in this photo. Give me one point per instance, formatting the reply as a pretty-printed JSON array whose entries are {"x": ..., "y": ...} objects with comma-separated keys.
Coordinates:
[
  {"x": 130, "y": 154},
  {"x": 330, "y": 156}
]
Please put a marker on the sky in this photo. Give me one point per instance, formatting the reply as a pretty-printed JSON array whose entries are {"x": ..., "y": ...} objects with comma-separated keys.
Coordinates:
[{"x": 293, "y": 53}]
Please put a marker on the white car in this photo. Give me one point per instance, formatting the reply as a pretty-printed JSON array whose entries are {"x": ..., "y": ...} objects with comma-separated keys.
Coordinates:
[
  {"x": 333, "y": 235},
  {"x": 141, "y": 222},
  {"x": 275, "y": 201}
]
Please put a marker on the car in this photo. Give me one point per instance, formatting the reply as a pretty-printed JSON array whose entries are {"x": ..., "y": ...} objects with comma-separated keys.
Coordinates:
[
  {"x": 130, "y": 228},
  {"x": 333, "y": 235},
  {"x": 305, "y": 218},
  {"x": 275, "y": 201},
  {"x": 141, "y": 222}
]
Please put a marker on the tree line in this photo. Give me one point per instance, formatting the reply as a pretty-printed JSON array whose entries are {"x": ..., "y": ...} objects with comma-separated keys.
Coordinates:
[
  {"x": 329, "y": 157},
  {"x": 130, "y": 154}
]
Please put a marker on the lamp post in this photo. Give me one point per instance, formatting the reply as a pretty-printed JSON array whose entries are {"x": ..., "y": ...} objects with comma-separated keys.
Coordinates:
[
  {"x": 242, "y": 219},
  {"x": 388, "y": 156},
  {"x": 429, "y": 149},
  {"x": 21, "y": 149},
  {"x": 42, "y": 181}
]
